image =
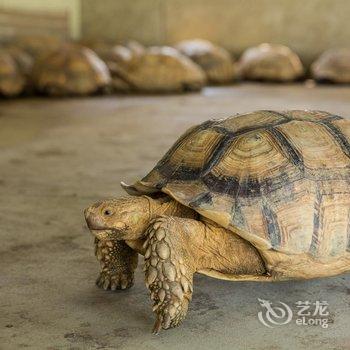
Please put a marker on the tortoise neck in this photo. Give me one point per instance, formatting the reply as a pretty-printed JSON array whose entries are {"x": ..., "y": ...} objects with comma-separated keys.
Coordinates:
[
  {"x": 170, "y": 207},
  {"x": 156, "y": 208}
]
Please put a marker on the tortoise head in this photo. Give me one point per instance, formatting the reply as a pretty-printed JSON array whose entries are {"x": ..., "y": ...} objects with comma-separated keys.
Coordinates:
[{"x": 122, "y": 219}]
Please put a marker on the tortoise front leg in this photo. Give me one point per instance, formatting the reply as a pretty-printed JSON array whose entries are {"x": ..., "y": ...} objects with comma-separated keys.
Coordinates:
[
  {"x": 169, "y": 268},
  {"x": 176, "y": 248},
  {"x": 118, "y": 263}
]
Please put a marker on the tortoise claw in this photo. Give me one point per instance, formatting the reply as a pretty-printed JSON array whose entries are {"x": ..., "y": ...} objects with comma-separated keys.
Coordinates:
[
  {"x": 157, "y": 326},
  {"x": 115, "y": 282}
]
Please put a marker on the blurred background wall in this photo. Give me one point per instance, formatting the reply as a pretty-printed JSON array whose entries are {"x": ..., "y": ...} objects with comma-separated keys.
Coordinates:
[
  {"x": 308, "y": 26},
  {"x": 59, "y": 17}
]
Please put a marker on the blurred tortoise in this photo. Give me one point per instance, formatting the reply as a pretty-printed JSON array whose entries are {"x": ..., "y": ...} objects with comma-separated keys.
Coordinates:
[
  {"x": 156, "y": 69},
  {"x": 262, "y": 196},
  {"x": 70, "y": 70},
  {"x": 12, "y": 79},
  {"x": 117, "y": 58},
  {"x": 104, "y": 47},
  {"x": 332, "y": 66},
  {"x": 135, "y": 47},
  {"x": 271, "y": 62},
  {"x": 38, "y": 45},
  {"x": 24, "y": 62},
  {"x": 216, "y": 62}
]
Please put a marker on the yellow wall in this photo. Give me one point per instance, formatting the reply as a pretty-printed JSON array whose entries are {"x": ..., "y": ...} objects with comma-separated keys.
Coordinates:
[{"x": 73, "y": 7}]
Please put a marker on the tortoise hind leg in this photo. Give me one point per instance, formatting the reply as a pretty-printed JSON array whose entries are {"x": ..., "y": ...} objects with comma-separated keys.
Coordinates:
[
  {"x": 118, "y": 263},
  {"x": 169, "y": 269}
]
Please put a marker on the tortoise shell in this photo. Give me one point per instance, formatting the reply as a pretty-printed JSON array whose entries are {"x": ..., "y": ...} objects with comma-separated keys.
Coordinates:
[
  {"x": 12, "y": 79},
  {"x": 332, "y": 66},
  {"x": 117, "y": 59},
  {"x": 158, "y": 69},
  {"x": 135, "y": 47},
  {"x": 271, "y": 62},
  {"x": 23, "y": 59},
  {"x": 38, "y": 45},
  {"x": 281, "y": 180},
  {"x": 214, "y": 60},
  {"x": 71, "y": 70}
]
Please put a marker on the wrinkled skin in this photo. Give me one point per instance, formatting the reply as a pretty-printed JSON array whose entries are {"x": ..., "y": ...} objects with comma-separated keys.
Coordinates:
[{"x": 175, "y": 241}]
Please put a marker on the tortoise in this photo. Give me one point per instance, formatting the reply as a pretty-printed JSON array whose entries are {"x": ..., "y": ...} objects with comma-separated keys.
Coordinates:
[
  {"x": 117, "y": 58},
  {"x": 39, "y": 45},
  {"x": 105, "y": 48},
  {"x": 12, "y": 79},
  {"x": 271, "y": 62},
  {"x": 332, "y": 66},
  {"x": 262, "y": 196},
  {"x": 24, "y": 62},
  {"x": 214, "y": 60},
  {"x": 157, "y": 69},
  {"x": 23, "y": 59},
  {"x": 135, "y": 47},
  {"x": 71, "y": 70}
]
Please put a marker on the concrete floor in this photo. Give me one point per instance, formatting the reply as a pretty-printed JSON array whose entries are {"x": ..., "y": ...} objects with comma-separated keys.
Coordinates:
[{"x": 57, "y": 156}]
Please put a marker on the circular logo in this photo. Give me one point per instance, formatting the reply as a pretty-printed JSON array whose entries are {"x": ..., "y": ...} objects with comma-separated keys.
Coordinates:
[{"x": 274, "y": 315}]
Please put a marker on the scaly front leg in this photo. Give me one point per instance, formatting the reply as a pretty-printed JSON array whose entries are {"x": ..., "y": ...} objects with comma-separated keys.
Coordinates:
[
  {"x": 118, "y": 263},
  {"x": 169, "y": 268}
]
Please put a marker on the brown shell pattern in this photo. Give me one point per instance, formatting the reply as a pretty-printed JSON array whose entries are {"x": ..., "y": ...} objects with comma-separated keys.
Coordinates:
[{"x": 279, "y": 179}]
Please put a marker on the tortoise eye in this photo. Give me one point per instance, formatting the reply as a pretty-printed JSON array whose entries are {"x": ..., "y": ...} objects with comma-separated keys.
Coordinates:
[{"x": 107, "y": 212}]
